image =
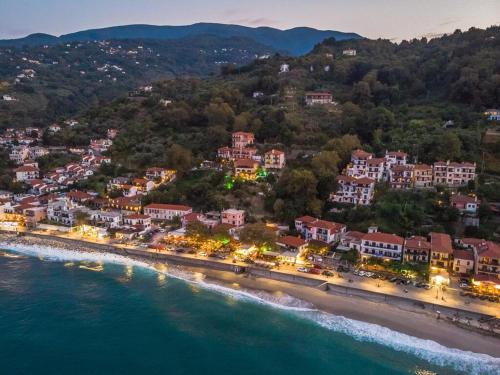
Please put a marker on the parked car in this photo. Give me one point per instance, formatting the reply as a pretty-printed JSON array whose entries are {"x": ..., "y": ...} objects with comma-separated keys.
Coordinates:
[
  {"x": 315, "y": 271},
  {"x": 463, "y": 285},
  {"x": 327, "y": 273},
  {"x": 302, "y": 269}
]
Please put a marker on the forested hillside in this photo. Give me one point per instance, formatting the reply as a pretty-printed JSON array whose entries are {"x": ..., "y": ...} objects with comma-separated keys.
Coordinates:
[
  {"x": 390, "y": 96},
  {"x": 49, "y": 82}
]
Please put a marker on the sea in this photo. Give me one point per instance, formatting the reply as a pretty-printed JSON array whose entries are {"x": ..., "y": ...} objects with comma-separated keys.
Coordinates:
[{"x": 68, "y": 312}]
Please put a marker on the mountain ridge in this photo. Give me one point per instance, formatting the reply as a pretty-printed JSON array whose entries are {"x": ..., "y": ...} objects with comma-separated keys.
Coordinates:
[{"x": 296, "y": 41}]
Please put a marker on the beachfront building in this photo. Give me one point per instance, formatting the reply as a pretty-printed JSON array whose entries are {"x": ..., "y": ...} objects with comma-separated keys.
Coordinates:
[
  {"x": 318, "y": 98},
  {"x": 417, "y": 250},
  {"x": 292, "y": 248},
  {"x": 423, "y": 176},
  {"x": 107, "y": 219},
  {"x": 441, "y": 250},
  {"x": 274, "y": 159},
  {"x": 312, "y": 228},
  {"x": 465, "y": 203},
  {"x": 357, "y": 191},
  {"x": 454, "y": 174},
  {"x": 401, "y": 176},
  {"x": 380, "y": 245},
  {"x": 488, "y": 259},
  {"x": 166, "y": 212},
  {"x": 233, "y": 217},
  {"x": 351, "y": 240},
  {"x": 63, "y": 211},
  {"x": 463, "y": 262},
  {"x": 138, "y": 221}
]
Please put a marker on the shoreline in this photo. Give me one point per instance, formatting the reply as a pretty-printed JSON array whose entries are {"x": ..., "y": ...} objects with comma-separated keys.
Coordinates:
[{"x": 406, "y": 319}]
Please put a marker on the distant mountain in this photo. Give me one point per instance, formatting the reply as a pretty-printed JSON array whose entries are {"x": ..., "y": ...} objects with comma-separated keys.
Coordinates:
[{"x": 296, "y": 41}]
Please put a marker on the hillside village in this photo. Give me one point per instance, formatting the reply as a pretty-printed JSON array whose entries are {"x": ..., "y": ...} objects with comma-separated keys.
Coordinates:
[
  {"x": 320, "y": 163},
  {"x": 52, "y": 203}
]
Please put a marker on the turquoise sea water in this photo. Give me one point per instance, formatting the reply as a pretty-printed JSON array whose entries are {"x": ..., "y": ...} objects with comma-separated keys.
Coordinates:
[{"x": 75, "y": 318}]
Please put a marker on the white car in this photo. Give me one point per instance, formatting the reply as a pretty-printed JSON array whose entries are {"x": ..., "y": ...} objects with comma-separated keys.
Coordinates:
[
  {"x": 362, "y": 273},
  {"x": 303, "y": 269}
]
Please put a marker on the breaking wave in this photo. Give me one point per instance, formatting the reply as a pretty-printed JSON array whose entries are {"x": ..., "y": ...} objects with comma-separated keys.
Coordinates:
[{"x": 428, "y": 350}]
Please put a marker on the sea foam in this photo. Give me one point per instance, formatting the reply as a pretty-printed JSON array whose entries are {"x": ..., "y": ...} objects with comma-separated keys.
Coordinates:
[{"x": 428, "y": 350}]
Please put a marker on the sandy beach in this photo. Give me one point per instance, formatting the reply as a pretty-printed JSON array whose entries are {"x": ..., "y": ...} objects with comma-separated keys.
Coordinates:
[{"x": 405, "y": 319}]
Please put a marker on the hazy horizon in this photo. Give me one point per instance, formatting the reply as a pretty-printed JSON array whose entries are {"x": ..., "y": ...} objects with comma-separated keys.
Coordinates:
[{"x": 407, "y": 19}]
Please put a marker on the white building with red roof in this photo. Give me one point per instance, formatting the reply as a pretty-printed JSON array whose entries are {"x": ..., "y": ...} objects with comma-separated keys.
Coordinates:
[
  {"x": 401, "y": 176},
  {"x": 454, "y": 174},
  {"x": 463, "y": 261},
  {"x": 274, "y": 159},
  {"x": 465, "y": 203},
  {"x": 357, "y": 191},
  {"x": 137, "y": 220},
  {"x": 441, "y": 250},
  {"x": 488, "y": 259},
  {"x": 395, "y": 158},
  {"x": 292, "y": 248},
  {"x": 417, "y": 250},
  {"x": 359, "y": 163},
  {"x": 27, "y": 173},
  {"x": 242, "y": 139},
  {"x": 382, "y": 245},
  {"x": 320, "y": 230},
  {"x": 160, "y": 211},
  {"x": 423, "y": 176}
]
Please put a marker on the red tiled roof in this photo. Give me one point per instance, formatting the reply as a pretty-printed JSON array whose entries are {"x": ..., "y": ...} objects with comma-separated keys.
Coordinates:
[
  {"x": 136, "y": 216},
  {"x": 332, "y": 226},
  {"x": 364, "y": 181},
  {"x": 462, "y": 199},
  {"x": 191, "y": 217},
  {"x": 161, "y": 206},
  {"x": 375, "y": 161},
  {"x": 361, "y": 154},
  {"x": 490, "y": 250},
  {"x": 384, "y": 237},
  {"x": 397, "y": 153},
  {"x": 75, "y": 194},
  {"x": 417, "y": 242},
  {"x": 441, "y": 243},
  {"x": 291, "y": 241},
  {"x": 463, "y": 254},
  {"x": 245, "y": 163},
  {"x": 422, "y": 167},
  {"x": 27, "y": 168}
]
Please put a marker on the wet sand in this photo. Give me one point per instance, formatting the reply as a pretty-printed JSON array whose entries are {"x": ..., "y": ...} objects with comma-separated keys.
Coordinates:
[{"x": 423, "y": 325}]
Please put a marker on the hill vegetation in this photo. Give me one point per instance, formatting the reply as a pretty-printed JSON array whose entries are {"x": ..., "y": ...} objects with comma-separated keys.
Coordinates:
[{"x": 68, "y": 78}]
